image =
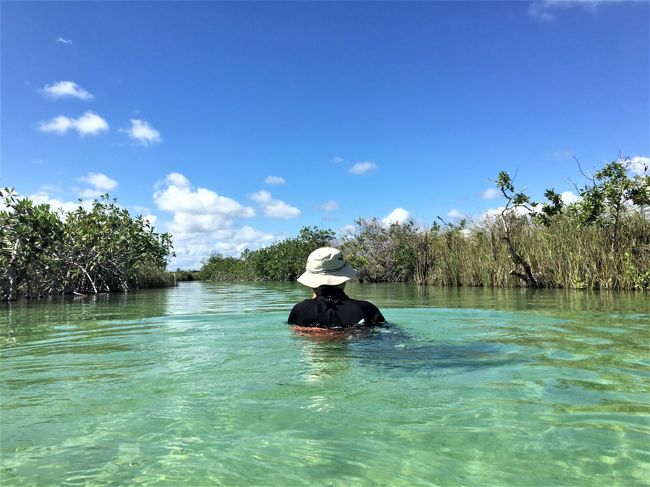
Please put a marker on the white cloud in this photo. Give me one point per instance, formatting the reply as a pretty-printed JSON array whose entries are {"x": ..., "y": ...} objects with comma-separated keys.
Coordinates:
[
  {"x": 569, "y": 197},
  {"x": 66, "y": 89},
  {"x": 178, "y": 180},
  {"x": 179, "y": 197},
  {"x": 42, "y": 197},
  {"x": 100, "y": 184},
  {"x": 490, "y": 194},
  {"x": 61, "y": 40},
  {"x": 330, "y": 205},
  {"x": 152, "y": 219},
  {"x": 363, "y": 167},
  {"x": 454, "y": 213},
  {"x": 546, "y": 10},
  {"x": 337, "y": 160},
  {"x": 88, "y": 124},
  {"x": 62, "y": 208},
  {"x": 192, "y": 248},
  {"x": 398, "y": 215},
  {"x": 273, "y": 180},
  {"x": 58, "y": 125},
  {"x": 274, "y": 208},
  {"x": 142, "y": 132},
  {"x": 99, "y": 181},
  {"x": 639, "y": 165},
  {"x": 496, "y": 212},
  {"x": 203, "y": 222}
]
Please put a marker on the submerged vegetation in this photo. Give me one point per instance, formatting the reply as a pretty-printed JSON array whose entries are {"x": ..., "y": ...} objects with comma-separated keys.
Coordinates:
[
  {"x": 602, "y": 241},
  {"x": 99, "y": 249}
]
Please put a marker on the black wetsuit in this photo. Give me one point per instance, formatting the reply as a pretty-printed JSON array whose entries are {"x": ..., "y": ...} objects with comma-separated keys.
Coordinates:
[{"x": 334, "y": 309}]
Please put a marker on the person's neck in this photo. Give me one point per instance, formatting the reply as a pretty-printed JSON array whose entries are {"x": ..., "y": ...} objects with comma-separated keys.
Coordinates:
[{"x": 327, "y": 291}]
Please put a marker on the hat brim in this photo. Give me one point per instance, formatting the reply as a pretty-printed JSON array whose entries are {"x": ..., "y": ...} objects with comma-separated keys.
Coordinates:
[{"x": 313, "y": 281}]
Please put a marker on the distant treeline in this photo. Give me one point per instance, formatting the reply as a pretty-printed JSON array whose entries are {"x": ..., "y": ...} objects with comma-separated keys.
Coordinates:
[
  {"x": 99, "y": 249},
  {"x": 601, "y": 241}
]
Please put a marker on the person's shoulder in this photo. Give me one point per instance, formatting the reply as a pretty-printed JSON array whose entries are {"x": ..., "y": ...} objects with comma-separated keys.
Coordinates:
[
  {"x": 371, "y": 311},
  {"x": 300, "y": 307}
]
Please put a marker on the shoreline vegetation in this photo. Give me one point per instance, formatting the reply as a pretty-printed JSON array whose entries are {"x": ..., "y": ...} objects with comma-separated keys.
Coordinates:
[
  {"x": 91, "y": 250},
  {"x": 601, "y": 241}
]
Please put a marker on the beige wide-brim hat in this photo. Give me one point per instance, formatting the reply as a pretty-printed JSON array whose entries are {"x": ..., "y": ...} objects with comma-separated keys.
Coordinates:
[{"x": 326, "y": 267}]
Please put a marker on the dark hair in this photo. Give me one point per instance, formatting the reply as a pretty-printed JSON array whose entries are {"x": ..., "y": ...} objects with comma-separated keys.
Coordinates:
[{"x": 326, "y": 290}]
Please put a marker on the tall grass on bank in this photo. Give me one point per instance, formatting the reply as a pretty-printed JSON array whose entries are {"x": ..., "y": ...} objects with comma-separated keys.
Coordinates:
[
  {"x": 562, "y": 255},
  {"x": 602, "y": 241}
]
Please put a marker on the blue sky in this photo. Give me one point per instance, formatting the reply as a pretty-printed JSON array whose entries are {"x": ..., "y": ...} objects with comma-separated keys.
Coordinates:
[{"x": 183, "y": 110}]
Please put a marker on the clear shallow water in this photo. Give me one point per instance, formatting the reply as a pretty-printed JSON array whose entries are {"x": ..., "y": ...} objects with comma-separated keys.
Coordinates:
[{"x": 204, "y": 384}]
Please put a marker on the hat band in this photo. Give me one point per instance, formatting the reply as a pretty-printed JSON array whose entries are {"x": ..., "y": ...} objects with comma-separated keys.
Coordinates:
[{"x": 327, "y": 271}]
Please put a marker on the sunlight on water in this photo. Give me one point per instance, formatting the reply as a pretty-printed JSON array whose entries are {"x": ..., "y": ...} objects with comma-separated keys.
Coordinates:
[{"x": 205, "y": 384}]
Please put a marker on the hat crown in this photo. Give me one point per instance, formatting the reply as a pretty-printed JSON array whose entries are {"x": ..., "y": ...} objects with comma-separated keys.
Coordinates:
[
  {"x": 326, "y": 266},
  {"x": 325, "y": 259}
]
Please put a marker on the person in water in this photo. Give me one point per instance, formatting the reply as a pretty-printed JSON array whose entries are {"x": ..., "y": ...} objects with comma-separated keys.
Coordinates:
[{"x": 326, "y": 274}]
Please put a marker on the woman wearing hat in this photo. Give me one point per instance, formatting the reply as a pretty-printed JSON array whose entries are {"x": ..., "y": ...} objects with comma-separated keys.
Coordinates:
[{"x": 326, "y": 274}]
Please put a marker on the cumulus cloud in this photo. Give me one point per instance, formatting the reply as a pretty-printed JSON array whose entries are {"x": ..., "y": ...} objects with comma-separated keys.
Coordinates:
[
  {"x": 61, "y": 207},
  {"x": 66, "y": 89},
  {"x": 177, "y": 179},
  {"x": 61, "y": 40},
  {"x": 178, "y": 196},
  {"x": 330, "y": 205},
  {"x": 398, "y": 215},
  {"x": 363, "y": 167},
  {"x": 274, "y": 208},
  {"x": 152, "y": 219},
  {"x": 191, "y": 249},
  {"x": 203, "y": 222},
  {"x": 274, "y": 180},
  {"x": 99, "y": 180},
  {"x": 454, "y": 213},
  {"x": 490, "y": 194},
  {"x": 142, "y": 132},
  {"x": 639, "y": 165},
  {"x": 100, "y": 184},
  {"x": 495, "y": 212},
  {"x": 57, "y": 125},
  {"x": 88, "y": 124},
  {"x": 569, "y": 197}
]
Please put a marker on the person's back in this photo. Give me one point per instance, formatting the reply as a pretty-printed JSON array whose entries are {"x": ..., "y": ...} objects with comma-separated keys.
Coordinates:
[
  {"x": 332, "y": 308},
  {"x": 326, "y": 273}
]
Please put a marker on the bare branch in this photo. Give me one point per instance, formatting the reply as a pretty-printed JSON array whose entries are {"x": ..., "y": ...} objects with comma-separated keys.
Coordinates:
[{"x": 590, "y": 178}]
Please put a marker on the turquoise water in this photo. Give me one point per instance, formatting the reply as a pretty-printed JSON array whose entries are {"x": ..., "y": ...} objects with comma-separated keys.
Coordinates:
[{"x": 204, "y": 384}]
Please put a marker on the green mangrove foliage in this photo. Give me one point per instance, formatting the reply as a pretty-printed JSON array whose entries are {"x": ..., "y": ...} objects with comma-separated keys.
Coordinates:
[
  {"x": 602, "y": 241},
  {"x": 93, "y": 250},
  {"x": 282, "y": 261}
]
